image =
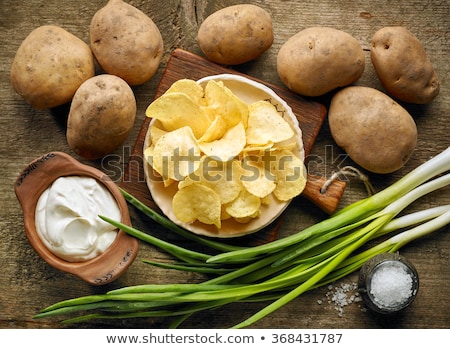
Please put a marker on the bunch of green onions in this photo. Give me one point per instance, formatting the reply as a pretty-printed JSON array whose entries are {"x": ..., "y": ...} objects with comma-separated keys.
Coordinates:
[{"x": 278, "y": 271}]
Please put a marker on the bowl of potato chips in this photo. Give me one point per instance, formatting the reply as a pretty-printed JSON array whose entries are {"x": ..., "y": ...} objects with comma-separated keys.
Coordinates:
[{"x": 223, "y": 156}]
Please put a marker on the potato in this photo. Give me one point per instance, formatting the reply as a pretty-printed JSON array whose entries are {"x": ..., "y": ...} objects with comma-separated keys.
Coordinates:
[
  {"x": 403, "y": 67},
  {"x": 376, "y": 132},
  {"x": 126, "y": 42},
  {"x": 49, "y": 66},
  {"x": 318, "y": 60},
  {"x": 236, "y": 34},
  {"x": 101, "y": 116}
]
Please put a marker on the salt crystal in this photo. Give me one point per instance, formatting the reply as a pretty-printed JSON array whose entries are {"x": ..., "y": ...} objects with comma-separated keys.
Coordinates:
[
  {"x": 391, "y": 285},
  {"x": 341, "y": 296}
]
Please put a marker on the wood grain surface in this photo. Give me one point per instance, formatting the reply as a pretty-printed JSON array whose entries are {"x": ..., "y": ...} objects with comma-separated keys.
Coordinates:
[{"x": 27, "y": 284}]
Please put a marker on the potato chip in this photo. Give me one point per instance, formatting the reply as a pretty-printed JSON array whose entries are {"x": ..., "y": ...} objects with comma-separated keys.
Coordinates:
[
  {"x": 221, "y": 101},
  {"x": 176, "y": 110},
  {"x": 215, "y": 131},
  {"x": 222, "y": 177},
  {"x": 245, "y": 220},
  {"x": 256, "y": 179},
  {"x": 197, "y": 202},
  {"x": 224, "y": 215},
  {"x": 290, "y": 173},
  {"x": 266, "y": 125},
  {"x": 286, "y": 145},
  {"x": 156, "y": 133},
  {"x": 190, "y": 88},
  {"x": 176, "y": 154},
  {"x": 228, "y": 147},
  {"x": 266, "y": 200},
  {"x": 148, "y": 154},
  {"x": 254, "y": 149},
  {"x": 245, "y": 205}
]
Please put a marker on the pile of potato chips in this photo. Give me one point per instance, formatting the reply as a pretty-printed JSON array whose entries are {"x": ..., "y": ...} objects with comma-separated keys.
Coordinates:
[{"x": 226, "y": 157}]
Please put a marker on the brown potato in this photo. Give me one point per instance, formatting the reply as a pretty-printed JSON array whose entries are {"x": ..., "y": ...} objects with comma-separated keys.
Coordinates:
[
  {"x": 403, "y": 67},
  {"x": 126, "y": 42},
  {"x": 236, "y": 34},
  {"x": 49, "y": 66},
  {"x": 101, "y": 116},
  {"x": 318, "y": 60},
  {"x": 376, "y": 132}
]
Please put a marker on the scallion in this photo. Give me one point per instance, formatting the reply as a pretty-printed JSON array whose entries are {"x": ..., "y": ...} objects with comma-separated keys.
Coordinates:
[{"x": 280, "y": 270}]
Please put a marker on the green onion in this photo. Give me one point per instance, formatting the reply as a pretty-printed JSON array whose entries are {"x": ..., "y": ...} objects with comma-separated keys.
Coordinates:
[
  {"x": 279, "y": 271},
  {"x": 190, "y": 267},
  {"x": 179, "y": 252},
  {"x": 167, "y": 223},
  {"x": 356, "y": 212}
]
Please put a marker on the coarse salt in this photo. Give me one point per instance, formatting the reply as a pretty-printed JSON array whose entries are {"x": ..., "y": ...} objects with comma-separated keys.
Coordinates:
[
  {"x": 391, "y": 285},
  {"x": 342, "y": 295}
]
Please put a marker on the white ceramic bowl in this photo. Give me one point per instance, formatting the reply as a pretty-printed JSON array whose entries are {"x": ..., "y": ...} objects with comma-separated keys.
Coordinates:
[{"x": 249, "y": 91}]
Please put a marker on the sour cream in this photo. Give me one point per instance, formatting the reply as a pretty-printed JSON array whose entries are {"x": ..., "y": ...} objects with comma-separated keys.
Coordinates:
[{"x": 67, "y": 219}]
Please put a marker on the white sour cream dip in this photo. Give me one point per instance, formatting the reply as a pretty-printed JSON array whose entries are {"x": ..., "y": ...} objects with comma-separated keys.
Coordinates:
[{"x": 67, "y": 219}]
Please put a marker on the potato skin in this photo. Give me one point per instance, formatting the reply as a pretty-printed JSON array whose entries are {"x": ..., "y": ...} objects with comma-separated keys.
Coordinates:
[
  {"x": 318, "y": 60},
  {"x": 236, "y": 34},
  {"x": 101, "y": 116},
  {"x": 126, "y": 42},
  {"x": 376, "y": 132},
  {"x": 403, "y": 67},
  {"x": 49, "y": 66}
]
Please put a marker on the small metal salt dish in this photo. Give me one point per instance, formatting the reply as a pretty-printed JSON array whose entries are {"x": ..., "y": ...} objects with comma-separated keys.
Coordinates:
[
  {"x": 386, "y": 260},
  {"x": 35, "y": 179}
]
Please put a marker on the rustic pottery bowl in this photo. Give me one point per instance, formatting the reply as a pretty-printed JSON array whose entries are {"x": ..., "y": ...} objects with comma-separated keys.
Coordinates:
[
  {"x": 249, "y": 91},
  {"x": 35, "y": 179}
]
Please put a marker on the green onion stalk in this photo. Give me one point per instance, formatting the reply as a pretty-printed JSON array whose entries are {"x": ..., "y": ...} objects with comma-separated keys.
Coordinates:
[{"x": 278, "y": 271}]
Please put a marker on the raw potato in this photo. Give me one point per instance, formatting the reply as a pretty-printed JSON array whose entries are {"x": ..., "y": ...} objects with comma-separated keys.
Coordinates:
[
  {"x": 403, "y": 67},
  {"x": 49, "y": 66},
  {"x": 126, "y": 42},
  {"x": 375, "y": 131},
  {"x": 318, "y": 60},
  {"x": 101, "y": 116},
  {"x": 236, "y": 34}
]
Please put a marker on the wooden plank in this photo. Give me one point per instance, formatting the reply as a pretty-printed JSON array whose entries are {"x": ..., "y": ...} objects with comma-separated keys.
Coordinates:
[{"x": 27, "y": 283}]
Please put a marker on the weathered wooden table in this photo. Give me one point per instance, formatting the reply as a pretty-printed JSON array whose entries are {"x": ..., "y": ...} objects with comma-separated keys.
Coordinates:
[{"x": 27, "y": 283}]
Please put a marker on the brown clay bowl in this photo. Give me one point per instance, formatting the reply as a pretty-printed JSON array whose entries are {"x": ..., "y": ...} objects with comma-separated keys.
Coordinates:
[{"x": 35, "y": 179}]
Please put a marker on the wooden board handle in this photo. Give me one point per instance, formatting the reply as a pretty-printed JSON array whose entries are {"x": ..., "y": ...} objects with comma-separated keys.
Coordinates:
[{"x": 327, "y": 201}]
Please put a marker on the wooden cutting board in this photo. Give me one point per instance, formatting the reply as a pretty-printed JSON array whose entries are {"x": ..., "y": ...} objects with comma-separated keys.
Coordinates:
[{"x": 186, "y": 65}]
